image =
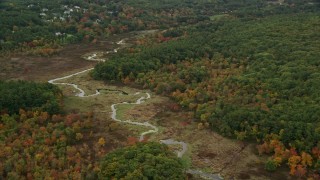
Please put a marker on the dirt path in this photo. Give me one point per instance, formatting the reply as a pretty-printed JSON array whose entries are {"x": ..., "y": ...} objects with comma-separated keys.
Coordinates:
[
  {"x": 82, "y": 94},
  {"x": 210, "y": 152},
  {"x": 153, "y": 128}
]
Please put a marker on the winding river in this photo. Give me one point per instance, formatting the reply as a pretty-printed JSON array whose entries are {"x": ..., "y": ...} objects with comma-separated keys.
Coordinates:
[{"x": 153, "y": 128}]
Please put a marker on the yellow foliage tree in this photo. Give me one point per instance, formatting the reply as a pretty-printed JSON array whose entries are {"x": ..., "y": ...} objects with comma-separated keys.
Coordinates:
[
  {"x": 79, "y": 136},
  {"x": 101, "y": 142},
  {"x": 278, "y": 161},
  {"x": 306, "y": 159}
]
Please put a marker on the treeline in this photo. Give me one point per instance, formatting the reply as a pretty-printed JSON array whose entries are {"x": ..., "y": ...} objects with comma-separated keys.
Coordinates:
[
  {"x": 30, "y": 25},
  {"x": 132, "y": 65},
  {"x": 26, "y": 25},
  {"x": 30, "y": 96},
  {"x": 252, "y": 79}
]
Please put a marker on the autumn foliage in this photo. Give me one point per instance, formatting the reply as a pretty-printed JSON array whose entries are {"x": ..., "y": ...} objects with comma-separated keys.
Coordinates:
[
  {"x": 36, "y": 145},
  {"x": 301, "y": 164}
]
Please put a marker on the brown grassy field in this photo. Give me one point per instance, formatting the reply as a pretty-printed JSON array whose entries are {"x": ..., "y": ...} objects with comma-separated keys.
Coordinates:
[{"x": 67, "y": 61}]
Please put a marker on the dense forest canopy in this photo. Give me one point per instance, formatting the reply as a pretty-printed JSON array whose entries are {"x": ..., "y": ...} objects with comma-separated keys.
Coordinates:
[
  {"x": 36, "y": 145},
  {"x": 18, "y": 95},
  {"x": 142, "y": 161}
]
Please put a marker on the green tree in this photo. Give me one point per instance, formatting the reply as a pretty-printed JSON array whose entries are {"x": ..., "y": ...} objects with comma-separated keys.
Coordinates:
[{"x": 144, "y": 160}]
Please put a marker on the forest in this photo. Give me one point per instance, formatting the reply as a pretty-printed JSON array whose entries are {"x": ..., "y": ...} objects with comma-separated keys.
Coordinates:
[
  {"x": 248, "y": 70},
  {"x": 142, "y": 161},
  {"x": 37, "y": 145},
  {"x": 255, "y": 78},
  {"x": 47, "y": 25},
  {"x": 29, "y": 96},
  {"x": 43, "y": 146},
  {"x": 42, "y": 27}
]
